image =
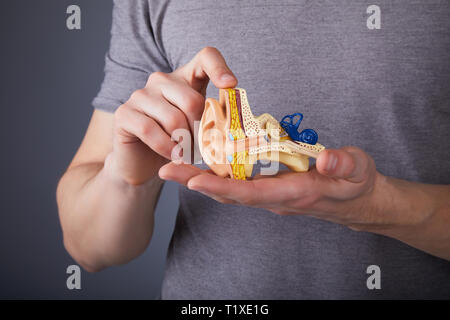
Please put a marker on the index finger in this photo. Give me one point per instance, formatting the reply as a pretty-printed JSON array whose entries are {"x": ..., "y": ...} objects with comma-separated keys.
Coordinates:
[
  {"x": 258, "y": 192},
  {"x": 208, "y": 64}
]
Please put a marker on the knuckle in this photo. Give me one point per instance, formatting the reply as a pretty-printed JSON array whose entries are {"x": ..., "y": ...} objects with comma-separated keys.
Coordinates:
[
  {"x": 175, "y": 122},
  {"x": 206, "y": 51},
  {"x": 156, "y": 77},
  {"x": 161, "y": 147},
  {"x": 366, "y": 175},
  {"x": 371, "y": 163},
  {"x": 158, "y": 146},
  {"x": 355, "y": 151},
  {"x": 119, "y": 114},
  {"x": 138, "y": 95},
  {"x": 194, "y": 103},
  {"x": 145, "y": 128},
  {"x": 351, "y": 149},
  {"x": 366, "y": 167},
  {"x": 349, "y": 168}
]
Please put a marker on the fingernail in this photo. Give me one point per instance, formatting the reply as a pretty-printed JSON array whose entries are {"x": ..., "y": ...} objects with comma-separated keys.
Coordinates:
[
  {"x": 332, "y": 162},
  {"x": 227, "y": 77}
]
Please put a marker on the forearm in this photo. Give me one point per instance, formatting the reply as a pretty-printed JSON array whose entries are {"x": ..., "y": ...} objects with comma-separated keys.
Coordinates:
[
  {"x": 417, "y": 214},
  {"x": 105, "y": 221}
]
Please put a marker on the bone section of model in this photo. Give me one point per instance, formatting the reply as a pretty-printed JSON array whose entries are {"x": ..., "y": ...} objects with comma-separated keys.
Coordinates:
[{"x": 232, "y": 139}]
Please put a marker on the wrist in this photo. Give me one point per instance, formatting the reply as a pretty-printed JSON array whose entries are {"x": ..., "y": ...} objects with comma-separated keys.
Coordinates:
[
  {"x": 112, "y": 172},
  {"x": 399, "y": 207}
]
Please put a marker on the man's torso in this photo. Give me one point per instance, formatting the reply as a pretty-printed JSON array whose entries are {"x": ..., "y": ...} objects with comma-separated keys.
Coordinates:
[{"x": 385, "y": 90}]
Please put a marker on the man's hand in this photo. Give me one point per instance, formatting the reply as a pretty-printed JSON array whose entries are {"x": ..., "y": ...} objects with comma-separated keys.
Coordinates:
[
  {"x": 338, "y": 188},
  {"x": 343, "y": 187},
  {"x": 169, "y": 101},
  {"x": 107, "y": 197}
]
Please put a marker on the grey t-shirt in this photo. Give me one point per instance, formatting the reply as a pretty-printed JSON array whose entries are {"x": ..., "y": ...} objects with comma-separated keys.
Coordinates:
[{"x": 385, "y": 90}]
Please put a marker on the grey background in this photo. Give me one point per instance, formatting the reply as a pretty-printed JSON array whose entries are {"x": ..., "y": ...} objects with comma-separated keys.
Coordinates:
[{"x": 49, "y": 75}]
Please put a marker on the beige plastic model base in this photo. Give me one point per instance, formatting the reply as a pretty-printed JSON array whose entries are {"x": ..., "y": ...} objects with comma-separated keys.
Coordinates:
[{"x": 231, "y": 139}]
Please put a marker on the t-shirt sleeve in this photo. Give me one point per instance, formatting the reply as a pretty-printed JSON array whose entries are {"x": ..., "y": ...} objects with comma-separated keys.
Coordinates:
[{"x": 133, "y": 54}]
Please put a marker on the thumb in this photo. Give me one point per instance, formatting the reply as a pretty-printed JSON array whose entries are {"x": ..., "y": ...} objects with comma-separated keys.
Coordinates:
[
  {"x": 208, "y": 64},
  {"x": 349, "y": 163}
]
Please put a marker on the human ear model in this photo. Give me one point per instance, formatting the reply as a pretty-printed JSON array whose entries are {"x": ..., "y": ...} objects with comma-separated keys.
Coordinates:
[{"x": 231, "y": 139}]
